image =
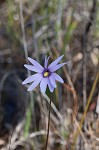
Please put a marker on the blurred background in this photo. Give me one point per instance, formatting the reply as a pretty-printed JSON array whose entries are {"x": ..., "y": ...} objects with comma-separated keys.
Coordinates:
[{"x": 37, "y": 28}]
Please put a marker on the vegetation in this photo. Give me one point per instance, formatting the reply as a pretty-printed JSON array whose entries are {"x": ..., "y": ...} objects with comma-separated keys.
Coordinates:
[{"x": 37, "y": 28}]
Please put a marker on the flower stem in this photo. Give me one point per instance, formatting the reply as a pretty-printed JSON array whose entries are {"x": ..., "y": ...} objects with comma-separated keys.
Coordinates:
[{"x": 48, "y": 126}]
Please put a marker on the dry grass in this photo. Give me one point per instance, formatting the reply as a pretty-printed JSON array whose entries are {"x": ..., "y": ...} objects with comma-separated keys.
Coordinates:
[{"x": 37, "y": 28}]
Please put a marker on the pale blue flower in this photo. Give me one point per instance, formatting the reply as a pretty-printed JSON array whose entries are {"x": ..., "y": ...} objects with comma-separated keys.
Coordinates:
[{"x": 44, "y": 75}]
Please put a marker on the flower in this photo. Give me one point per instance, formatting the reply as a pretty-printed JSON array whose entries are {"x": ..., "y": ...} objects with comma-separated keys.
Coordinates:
[{"x": 44, "y": 75}]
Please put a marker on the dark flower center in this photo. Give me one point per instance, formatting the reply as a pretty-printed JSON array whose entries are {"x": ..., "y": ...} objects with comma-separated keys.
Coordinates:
[{"x": 46, "y": 73}]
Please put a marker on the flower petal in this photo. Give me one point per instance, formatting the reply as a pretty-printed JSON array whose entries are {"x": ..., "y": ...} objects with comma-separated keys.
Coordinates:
[
  {"x": 32, "y": 78},
  {"x": 34, "y": 84},
  {"x": 58, "y": 78},
  {"x": 51, "y": 88},
  {"x": 33, "y": 68},
  {"x": 43, "y": 85},
  {"x": 57, "y": 67},
  {"x": 46, "y": 62},
  {"x": 52, "y": 80},
  {"x": 54, "y": 63},
  {"x": 35, "y": 63}
]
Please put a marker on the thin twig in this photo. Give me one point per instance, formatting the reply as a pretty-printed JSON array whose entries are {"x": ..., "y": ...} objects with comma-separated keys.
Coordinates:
[
  {"x": 48, "y": 126},
  {"x": 84, "y": 45},
  {"x": 54, "y": 108},
  {"x": 23, "y": 33},
  {"x": 72, "y": 87},
  {"x": 26, "y": 54}
]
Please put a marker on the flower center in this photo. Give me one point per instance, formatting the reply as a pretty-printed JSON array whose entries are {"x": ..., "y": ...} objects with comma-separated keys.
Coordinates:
[{"x": 46, "y": 74}]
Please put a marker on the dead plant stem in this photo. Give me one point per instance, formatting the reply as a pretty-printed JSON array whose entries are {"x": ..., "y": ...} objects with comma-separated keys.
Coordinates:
[{"x": 87, "y": 105}]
